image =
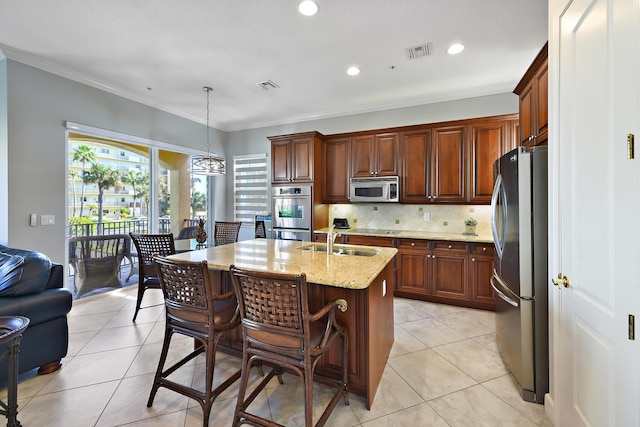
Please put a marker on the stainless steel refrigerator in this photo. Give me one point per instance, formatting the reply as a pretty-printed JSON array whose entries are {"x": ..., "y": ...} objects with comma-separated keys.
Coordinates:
[{"x": 520, "y": 280}]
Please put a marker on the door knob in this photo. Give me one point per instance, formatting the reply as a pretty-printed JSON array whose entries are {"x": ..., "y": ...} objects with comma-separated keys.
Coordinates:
[{"x": 561, "y": 281}]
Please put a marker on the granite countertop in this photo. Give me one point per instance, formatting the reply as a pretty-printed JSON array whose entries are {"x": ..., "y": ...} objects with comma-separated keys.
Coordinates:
[
  {"x": 287, "y": 256},
  {"x": 402, "y": 234}
]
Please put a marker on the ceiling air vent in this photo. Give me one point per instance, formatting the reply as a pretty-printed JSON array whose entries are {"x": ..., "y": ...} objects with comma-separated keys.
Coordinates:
[
  {"x": 267, "y": 85},
  {"x": 425, "y": 49}
]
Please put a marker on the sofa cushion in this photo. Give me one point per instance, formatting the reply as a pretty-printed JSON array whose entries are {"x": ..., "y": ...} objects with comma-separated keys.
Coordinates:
[
  {"x": 33, "y": 272},
  {"x": 10, "y": 272}
]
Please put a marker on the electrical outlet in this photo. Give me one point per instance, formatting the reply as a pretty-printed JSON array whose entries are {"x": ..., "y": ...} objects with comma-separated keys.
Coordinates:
[
  {"x": 445, "y": 223},
  {"x": 375, "y": 208},
  {"x": 397, "y": 221},
  {"x": 420, "y": 209},
  {"x": 427, "y": 216},
  {"x": 472, "y": 210}
]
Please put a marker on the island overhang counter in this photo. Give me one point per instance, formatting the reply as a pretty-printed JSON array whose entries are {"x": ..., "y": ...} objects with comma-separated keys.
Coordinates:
[{"x": 362, "y": 276}]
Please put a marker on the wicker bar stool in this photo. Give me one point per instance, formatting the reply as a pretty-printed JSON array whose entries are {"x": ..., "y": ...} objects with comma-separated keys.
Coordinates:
[
  {"x": 277, "y": 328},
  {"x": 193, "y": 309},
  {"x": 226, "y": 232},
  {"x": 148, "y": 245}
]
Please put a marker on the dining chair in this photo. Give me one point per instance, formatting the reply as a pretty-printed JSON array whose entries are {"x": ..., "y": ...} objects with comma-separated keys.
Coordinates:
[
  {"x": 226, "y": 232},
  {"x": 193, "y": 309},
  {"x": 148, "y": 246},
  {"x": 96, "y": 261},
  {"x": 188, "y": 232},
  {"x": 278, "y": 329}
]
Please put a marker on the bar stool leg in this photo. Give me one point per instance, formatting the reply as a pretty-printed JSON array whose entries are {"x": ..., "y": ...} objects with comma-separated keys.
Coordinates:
[{"x": 12, "y": 386}]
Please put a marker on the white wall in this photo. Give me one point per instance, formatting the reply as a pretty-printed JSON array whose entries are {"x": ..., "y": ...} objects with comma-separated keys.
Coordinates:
[
  {"x": 38, "y": 105},
  {"x": 4, "y": 157}
]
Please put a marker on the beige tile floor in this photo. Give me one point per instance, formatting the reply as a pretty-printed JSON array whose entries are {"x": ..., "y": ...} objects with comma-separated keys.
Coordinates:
[{"x": 444, "y": 370}]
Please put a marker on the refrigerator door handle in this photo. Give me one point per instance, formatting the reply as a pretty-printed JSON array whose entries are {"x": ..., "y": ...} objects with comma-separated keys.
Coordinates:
[
  {"x": 502, "y": 293},
  {"x": 498, "y": 240}
]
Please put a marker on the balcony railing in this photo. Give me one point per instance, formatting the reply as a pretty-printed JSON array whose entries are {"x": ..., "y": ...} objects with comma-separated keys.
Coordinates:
[{"x": 139, "y": 226}]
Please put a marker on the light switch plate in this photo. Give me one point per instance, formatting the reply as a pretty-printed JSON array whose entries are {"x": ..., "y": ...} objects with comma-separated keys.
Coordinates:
[
  {"x": 33, "y": 220},
  {"x": 47, "y": 219}
]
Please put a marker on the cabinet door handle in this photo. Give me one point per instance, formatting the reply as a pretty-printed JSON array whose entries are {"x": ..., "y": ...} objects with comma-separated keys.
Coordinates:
[
  {"x": 473, "y": 260},
  {"x": 413, "y": 244},
  {"x": 484, "y": 249},
  {"x": 450, "y": 246}
]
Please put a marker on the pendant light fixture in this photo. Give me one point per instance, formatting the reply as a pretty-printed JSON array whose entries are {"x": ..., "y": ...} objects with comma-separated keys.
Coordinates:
[{"x": 209, "y": 165}]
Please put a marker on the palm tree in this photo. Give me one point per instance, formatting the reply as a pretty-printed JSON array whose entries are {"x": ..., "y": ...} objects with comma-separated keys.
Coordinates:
[
  {"x": 198, "y": 203},
  {"x": 72, "y": 181},
  {"x": 134, "y": 178},
  {"x": 106, "y": 178},
  {"x": 85, "y": 155}
]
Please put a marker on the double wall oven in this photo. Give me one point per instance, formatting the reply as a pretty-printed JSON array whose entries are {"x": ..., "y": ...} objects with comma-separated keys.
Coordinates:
[{"x": 292, "y": 210}]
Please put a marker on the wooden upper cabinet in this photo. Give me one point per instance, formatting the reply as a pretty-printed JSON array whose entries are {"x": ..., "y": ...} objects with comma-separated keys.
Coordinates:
[
  {"x": 335, "y": 171},
  {"x": 293, "y": 157},
  {"x": 433, "y": 165},
  {"x": 362, "y": 155},
  {"x": 488, "y": 142},
  {"x": 415, "y": 149},
  {"x": 387, "y": 153},
  {"x": 448, "y": 174},
  {"x": 374, "y": 155},
  {"x": 533, "y": 91}
]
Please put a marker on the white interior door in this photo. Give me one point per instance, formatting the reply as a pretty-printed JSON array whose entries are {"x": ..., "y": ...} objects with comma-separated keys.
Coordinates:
[{"x": 598, "y": 211}]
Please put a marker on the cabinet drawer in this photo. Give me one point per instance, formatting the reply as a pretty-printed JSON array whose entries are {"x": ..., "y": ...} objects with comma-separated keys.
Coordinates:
[
  {"x": 369, "y": 240},
  {"x": 483, "y": 249},
  {"x": 450, "y": 246},
  {"x": 413, "y": 244}
]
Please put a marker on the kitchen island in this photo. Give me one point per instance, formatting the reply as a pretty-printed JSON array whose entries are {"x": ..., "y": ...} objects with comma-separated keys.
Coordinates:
[{"x": 363, "y": 276}]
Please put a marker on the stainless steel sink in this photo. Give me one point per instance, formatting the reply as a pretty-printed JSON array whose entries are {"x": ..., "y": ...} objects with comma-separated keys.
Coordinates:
[{"x": 341, "y": 251}]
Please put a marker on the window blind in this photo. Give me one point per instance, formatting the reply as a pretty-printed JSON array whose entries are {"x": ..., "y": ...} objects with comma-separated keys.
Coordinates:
[{"x": 250, "y": 187}]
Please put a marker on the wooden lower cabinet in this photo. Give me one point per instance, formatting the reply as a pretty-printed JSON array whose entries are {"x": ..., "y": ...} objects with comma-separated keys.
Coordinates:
[
  {"x": 482, "y": 261},
  {"x": 456, "y": 273},
  {"x": 450, "y": 270},
  {"x": 413, "y": 270}
]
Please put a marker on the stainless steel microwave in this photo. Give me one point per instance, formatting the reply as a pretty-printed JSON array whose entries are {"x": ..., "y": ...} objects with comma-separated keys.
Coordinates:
[{"x": 383, "y": 189}]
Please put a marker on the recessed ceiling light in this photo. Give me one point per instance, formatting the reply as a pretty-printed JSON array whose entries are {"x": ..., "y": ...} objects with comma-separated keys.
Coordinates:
[
  {"x": 455, "y": 49},
  {"x": 353, "y": 71},
  {"x": 308, "y": 8}
]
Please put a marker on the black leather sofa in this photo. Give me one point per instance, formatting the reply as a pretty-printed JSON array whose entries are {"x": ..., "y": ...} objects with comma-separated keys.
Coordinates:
[{"x": 32, "y": 286}]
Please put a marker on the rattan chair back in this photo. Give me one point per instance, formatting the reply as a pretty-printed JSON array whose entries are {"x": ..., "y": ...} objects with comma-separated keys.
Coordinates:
[
  {"x": 271, "y": 308},
  {"x": 187, "y": 294},
  {"x": 148, "y": 246},
  {"x": 226, "y": 232}
]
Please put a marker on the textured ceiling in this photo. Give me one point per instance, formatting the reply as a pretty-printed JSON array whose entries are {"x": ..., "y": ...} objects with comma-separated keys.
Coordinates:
[{"x": 162, "y": 52}]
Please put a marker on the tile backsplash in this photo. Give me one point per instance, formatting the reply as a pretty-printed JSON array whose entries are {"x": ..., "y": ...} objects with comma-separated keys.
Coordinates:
[{"x": 393, "y": 216}]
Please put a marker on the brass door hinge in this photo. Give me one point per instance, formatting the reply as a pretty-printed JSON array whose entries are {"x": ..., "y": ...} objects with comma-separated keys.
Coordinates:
[
  {"x": 632, "y": 327},
  {"x": 630, "y": 148}
]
